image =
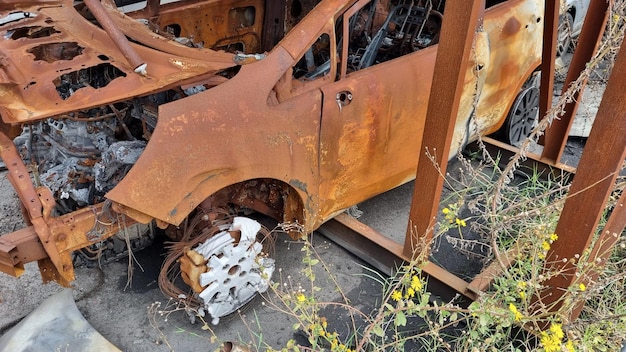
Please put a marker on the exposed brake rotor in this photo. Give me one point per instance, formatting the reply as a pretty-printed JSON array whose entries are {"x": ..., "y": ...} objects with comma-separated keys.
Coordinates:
[{"x": 228, "y": 269}]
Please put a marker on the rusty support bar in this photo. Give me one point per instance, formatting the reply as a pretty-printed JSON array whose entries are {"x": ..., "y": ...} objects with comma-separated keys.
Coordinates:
[
  {"x": 387, "y": 255},
  {"x": 548, "y": 55},
  {"x": 117, "y": 36},
  {"x": 504, "y": 152},
  {"x": 32, "y": 200},
  {"x": 20, "y": 178},
  {"x": 483, "y": 280},
  {"x": 361, "y": 240},
  {"x": 59, "y": 236},
  {"x": 556, "y": 135},
  {"x": 604, "y": 246},
  {"x": 457, "y": 34},
  {"x": 595, "y": 178},
  {"x": 18, "y": 248}
]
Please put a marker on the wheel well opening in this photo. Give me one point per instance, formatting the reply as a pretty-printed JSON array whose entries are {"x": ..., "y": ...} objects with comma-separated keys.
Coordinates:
[{"x": 270, "y": 197}]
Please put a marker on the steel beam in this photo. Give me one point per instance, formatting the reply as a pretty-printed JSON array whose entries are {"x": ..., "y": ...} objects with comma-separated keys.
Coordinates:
[
  {"x": 597, "y": 171},
  {"x": 387, "y": 255},
  {"x": 18, "y": 248},
  {"x": 457, "y": 36},
  {"x": 556, "y": 135},
  {"x": 533, "y": 162},
  {"x": 548, "y": 55}
]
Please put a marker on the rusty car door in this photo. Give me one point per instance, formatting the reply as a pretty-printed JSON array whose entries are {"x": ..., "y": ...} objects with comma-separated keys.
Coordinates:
[
  {"x": 373, "y": 115},
  {"x": 372, "y": 124}
]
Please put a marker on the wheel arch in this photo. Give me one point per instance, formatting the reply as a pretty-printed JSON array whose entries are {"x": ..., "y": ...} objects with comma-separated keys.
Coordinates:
[{"x": 272, "y": 197}]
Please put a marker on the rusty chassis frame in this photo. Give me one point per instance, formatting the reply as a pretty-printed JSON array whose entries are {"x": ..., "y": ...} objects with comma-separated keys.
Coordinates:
[{"x": 48, "y": 240}]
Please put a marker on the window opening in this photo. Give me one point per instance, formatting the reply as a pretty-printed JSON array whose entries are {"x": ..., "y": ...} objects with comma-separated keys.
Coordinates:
[
  {"x": 316, "y": 60},
  {"x": 380, "y": 33}
]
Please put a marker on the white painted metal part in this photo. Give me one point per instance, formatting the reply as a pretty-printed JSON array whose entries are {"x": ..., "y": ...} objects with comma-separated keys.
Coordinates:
[{"x": 236, "y": 271}]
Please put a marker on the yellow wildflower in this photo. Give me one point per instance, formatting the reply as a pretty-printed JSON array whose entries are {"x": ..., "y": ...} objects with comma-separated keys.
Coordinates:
[
  {"x": 549, "y": 343},
  {"x": 416, "y": 283},
  {"x": 582, "y": 287},
  {"x": 556, "y": 330},
  {"x": 554, "y": 237},
  {"x": 410, "y": 292},
  {"x": 300, "y": 297},
  {"x": 569, "y": 346},
  {"x": 545, "y": 245},
  {"x": 460, "y": 222},
  {"x": 445, "y": 210},
  {"x": 396, "y": 295},
  {"x": 522, "y": 294},
  {"x": 513, "y": 309}
]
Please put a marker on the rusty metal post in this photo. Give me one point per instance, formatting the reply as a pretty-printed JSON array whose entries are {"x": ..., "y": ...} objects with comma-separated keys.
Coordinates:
[
  {"x": 457, "y": 34},
  {"x": 548, "y": 55},
  {"x": 599, "y": 165},
  {"x": 152, "y": 8},
  {"x": 604, "y": 246},
  {"x": 590, "y": 36},
  {"x": 117, "y": 36}
]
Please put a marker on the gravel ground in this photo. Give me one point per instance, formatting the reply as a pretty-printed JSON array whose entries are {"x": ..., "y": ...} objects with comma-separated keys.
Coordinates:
[{"x": 124, "y": 315}]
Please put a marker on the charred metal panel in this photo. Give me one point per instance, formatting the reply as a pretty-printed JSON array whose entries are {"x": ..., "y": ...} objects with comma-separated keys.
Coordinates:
[
  {"x": 513, "y": 29},
  {"x": 273, "y": 28},
  {"x": 234, "y": 25},
  {"x": 354, "y": 135},
  {"x": 252, "y": 132},
  {"x": 365, "y": 117},
  {"x": 34, "y": 67}
]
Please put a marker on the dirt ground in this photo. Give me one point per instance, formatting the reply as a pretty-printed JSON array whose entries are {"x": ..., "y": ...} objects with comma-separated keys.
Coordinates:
[{"x": 128, "y": 317}]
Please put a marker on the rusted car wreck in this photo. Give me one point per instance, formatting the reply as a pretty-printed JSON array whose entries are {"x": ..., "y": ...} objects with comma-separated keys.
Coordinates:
[{"x": 117, "y": 117}]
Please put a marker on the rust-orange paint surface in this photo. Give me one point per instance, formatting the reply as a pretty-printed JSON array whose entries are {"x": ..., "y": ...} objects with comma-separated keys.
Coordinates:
[{"x": 321, "y": 122}]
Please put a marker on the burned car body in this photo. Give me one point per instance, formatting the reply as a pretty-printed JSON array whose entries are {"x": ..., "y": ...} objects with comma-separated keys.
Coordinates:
[{"x": 116, "y": 118}]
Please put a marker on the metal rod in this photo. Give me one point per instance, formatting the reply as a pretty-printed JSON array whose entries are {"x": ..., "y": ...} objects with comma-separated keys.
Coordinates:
[{"x": 117, "y": 36}]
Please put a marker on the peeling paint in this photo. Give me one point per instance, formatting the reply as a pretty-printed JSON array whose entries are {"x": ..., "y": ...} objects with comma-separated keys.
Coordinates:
[{"x": 298, "y": 184}]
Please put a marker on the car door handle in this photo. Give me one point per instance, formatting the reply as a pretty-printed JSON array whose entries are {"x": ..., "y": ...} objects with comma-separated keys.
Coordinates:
[{"x": 343, "y": 98}]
